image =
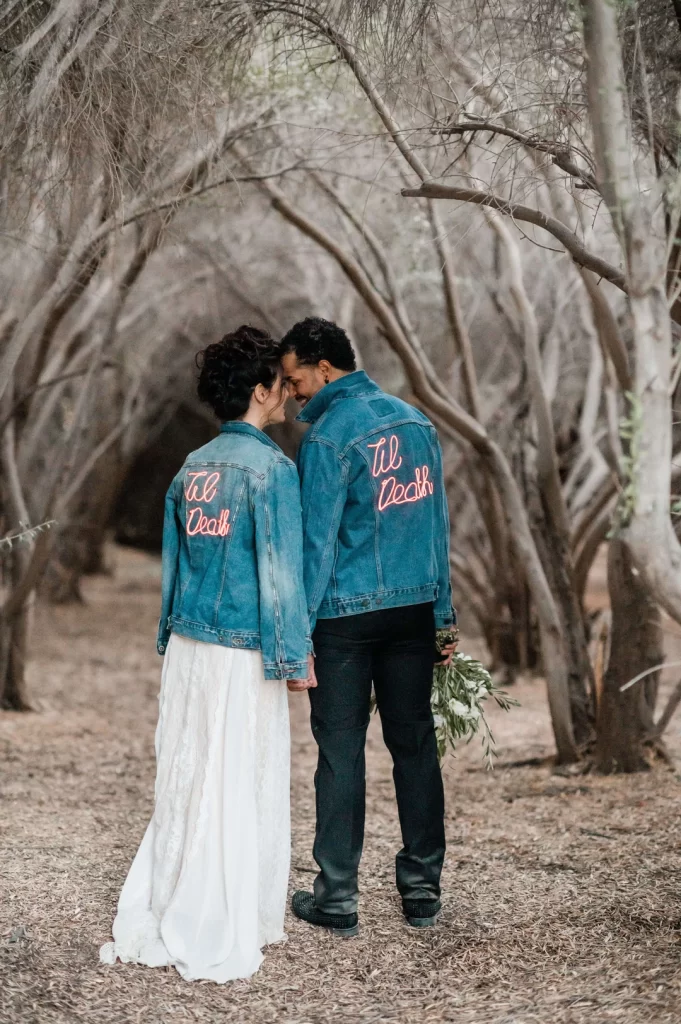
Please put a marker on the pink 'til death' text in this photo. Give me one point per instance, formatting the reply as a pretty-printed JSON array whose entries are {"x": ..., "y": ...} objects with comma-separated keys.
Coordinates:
[
  {"x": 386, "y": 459},
  {"x": 202, "y": 486}
]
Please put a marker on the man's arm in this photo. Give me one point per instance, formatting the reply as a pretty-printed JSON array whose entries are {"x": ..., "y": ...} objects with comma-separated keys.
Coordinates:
[
  {"x": 444, "y": 611},
  {"x": 323, "y": 488}
]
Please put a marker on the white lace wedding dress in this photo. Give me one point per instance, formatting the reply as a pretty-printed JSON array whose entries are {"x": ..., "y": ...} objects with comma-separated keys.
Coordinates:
[{"x": 207, "y": 888}]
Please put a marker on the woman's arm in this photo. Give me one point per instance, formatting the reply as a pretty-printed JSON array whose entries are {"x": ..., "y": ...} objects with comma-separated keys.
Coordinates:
[
  {"x": 284, "y": 627},
  {"x": 171, "y": 554}
]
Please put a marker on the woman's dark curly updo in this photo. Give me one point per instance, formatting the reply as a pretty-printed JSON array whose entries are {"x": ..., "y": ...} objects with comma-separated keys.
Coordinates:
[{"x": 232, "y": 368}]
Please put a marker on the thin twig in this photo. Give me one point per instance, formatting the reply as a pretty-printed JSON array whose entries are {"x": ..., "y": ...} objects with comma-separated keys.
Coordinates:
[{"x": 666, "y": 716}]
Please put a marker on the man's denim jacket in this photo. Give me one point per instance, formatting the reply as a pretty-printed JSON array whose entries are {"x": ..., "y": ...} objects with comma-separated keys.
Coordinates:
[
  {"x": 375, "y": 516},
  {"x": 232, "y": 552}
]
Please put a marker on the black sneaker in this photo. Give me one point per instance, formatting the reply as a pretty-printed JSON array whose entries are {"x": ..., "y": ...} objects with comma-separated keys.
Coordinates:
[
  {"x": 421, "y": 913},
  {"x": 303, "y": 905}
]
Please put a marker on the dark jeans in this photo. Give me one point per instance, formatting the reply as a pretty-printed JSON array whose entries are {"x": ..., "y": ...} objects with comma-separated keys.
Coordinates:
[{"x": 394, "y": 648}]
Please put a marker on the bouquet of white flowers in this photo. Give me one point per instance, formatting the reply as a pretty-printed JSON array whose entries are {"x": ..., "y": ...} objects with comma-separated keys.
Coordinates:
[
  {"x": 459, "y": 690},
  {"x": 456, "y": 699}
]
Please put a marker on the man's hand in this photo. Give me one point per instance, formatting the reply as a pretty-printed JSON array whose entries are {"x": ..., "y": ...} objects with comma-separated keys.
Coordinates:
[
  {"x": 298, "y": 685},
  {"x": 446, "y": 642},
  {"x": 447, "y": 653}
]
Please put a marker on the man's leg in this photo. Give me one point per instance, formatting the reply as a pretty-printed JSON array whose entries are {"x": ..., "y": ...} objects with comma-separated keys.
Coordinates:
[
  {"x": 403, "y": 677},
  {"x": 340, "y": 716}
]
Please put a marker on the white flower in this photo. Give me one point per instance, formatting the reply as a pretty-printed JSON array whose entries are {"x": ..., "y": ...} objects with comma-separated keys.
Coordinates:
[
  {"x": 457, "y": 708},
  {"x": 473, "y": 714}
]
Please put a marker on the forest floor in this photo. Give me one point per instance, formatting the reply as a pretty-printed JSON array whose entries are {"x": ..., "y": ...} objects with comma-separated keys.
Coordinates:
[{"x": 562, "y": 893}]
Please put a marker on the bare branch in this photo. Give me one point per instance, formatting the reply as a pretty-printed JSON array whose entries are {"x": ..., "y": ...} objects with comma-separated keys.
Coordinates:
[
  {"x": 668, "y": 713},
  {"x": 580, "y": 254},
  {"x": 608, "y": 331},
  {"x": 560, "y": 154}
]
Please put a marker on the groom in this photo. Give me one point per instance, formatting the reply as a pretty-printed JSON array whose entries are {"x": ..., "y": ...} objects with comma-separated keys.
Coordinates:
[{"x": 376, "y": 565}]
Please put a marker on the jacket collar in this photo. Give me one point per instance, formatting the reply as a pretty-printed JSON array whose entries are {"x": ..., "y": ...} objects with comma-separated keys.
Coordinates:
[
  {"x": 239, "y": 427},
  {"x": 357, "y": 383}
]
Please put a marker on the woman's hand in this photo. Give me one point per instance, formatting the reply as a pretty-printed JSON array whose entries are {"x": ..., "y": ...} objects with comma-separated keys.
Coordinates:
[{"x": 298, "y": 685}]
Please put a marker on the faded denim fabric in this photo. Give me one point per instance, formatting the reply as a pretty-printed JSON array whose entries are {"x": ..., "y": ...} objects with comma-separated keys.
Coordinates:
[
  {"x": 232, "y": 551},
  {"x": 375, "y": 515}
]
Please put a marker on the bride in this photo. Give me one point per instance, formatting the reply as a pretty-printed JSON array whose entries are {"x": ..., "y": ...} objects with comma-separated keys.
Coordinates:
[{"x": 207, "y": 888}]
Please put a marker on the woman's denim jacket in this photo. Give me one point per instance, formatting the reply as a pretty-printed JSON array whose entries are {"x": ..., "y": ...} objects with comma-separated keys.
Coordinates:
[
  {"x": 232, "y": 552},
  {"x": 375, "y": 516}
]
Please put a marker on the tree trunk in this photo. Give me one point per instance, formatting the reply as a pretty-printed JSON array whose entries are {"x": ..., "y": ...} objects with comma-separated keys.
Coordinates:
[
  {"x": 14, "y": 634},
  {"x": 557, "y": 563},
  {"x": 13, "y": 638},
  {"x": 79, "y": 549},
  {"x": 624, "y": 719},
  {"x": 510, "y": 631},
  {"x": 551, "y": 514},
  {"x": 646, "y": 520},
  {"x": 509, "y": 625}
]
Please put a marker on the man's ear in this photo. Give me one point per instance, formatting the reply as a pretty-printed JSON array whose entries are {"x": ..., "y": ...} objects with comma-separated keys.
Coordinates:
[{"x": 325, "y": 369}]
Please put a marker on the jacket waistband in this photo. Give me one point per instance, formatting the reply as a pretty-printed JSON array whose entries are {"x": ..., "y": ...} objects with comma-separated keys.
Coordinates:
[
  {"x": 228, "y": 637},
  {"x": 241, "y": 639},
  {"x": 336, "y": 607}
]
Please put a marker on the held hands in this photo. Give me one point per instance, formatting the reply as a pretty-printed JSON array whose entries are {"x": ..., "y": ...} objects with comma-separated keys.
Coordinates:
[{"x": 298, "y": 685}]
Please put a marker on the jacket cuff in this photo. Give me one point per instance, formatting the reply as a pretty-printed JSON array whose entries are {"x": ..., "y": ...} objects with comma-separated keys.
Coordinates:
[
  {"x": 163, "y": 634},
  {"x": 445, "y": 619},
  {"x": 286, "y": 670}
]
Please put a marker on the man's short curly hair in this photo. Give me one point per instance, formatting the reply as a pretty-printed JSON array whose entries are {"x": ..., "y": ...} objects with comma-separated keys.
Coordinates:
[
  {"x": 314, "y": 339},
  {"x": 231, "y": 369}
]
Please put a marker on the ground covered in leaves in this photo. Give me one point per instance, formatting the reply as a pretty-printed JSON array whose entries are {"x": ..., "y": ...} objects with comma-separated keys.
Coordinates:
[{"x": 562, "y": 893}]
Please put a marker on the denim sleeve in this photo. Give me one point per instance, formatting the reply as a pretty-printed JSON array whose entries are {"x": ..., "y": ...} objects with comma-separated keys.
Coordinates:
[
  {"x": 171, "y": 554},
  {"x": 284, "y": 628},
  {"x": 323, "y": 485},
  {"x": 444, "y": 610}
]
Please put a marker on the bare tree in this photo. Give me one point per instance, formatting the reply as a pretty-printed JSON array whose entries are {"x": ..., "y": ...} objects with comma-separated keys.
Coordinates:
[
  {"x": 98, "y": 153},
  {"x": 593, "y": 500},
  {"x": 646, "y": 517}
]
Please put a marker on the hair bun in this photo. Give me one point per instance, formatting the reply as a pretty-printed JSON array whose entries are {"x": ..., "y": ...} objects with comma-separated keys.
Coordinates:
[{"x": 230, "y": 370}]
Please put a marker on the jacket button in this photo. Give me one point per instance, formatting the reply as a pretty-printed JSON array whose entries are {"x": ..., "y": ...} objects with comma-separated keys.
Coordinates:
[
  {"x": 221, "y": 639},
  {"x": 365, "y": 604},
  {"x": 238, "y": 642},
  {"x": 161, "y": 648}
]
